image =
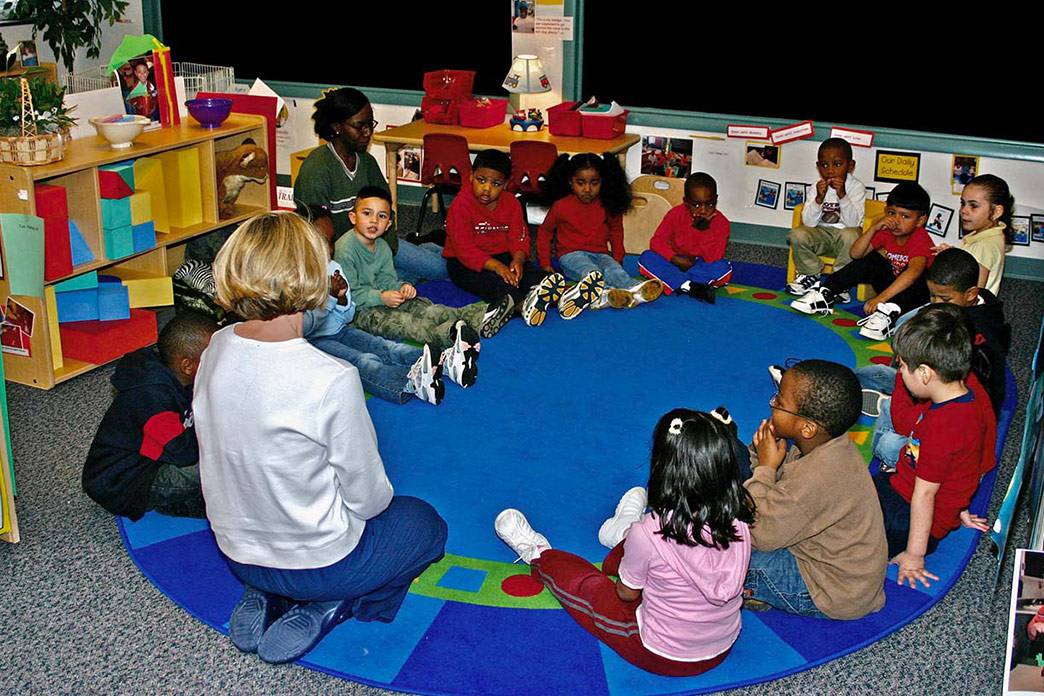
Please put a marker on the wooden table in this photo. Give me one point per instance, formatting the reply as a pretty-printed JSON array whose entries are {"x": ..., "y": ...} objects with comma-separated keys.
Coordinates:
[{"x": 496, "y": 138}]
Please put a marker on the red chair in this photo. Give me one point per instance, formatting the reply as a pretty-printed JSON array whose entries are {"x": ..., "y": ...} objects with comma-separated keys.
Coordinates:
[
  {"x": 530, "y": 162},
  {"x": 447, "y": 167}
]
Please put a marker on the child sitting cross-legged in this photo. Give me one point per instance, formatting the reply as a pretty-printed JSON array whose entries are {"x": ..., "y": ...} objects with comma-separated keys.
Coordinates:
[
  {"x": 675, "y": 609},
  {"x": 586, "y": 220},
  {"x": 687, "y": 252},
  {"x": 953, "y": 433},
  {"x": 892, "y": 256}
]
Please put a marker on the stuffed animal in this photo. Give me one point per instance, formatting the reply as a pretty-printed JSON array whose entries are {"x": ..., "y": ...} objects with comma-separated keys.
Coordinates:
[{"x": 235, "y": 168}]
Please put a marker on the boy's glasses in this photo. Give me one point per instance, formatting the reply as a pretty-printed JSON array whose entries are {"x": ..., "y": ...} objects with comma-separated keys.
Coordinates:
[
  {"x": 774, "y": 403},
  {"x": 370, "y": 125}
]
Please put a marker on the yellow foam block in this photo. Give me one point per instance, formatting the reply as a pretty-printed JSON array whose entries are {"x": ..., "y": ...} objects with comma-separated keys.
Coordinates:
[
  {"x": 149, "y": 292},
  {"x": 141, "y": 207},
  {"x": 148, "y": 178},
  {"x": 52, "y": 327},
  {"x": 184, "y": 187}
]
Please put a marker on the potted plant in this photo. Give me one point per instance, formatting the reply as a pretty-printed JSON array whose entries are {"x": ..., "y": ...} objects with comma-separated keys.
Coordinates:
[
  {"x": 68, "y": 25},
  {"x": 39, "y": 136}
]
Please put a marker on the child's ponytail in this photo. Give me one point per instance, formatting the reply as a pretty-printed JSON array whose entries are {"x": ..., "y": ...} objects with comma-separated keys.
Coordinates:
[{"x": 616, "y": 191}]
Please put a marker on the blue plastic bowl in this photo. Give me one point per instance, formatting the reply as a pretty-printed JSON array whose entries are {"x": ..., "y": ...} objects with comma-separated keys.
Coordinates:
[{"x": 210, "y": 113}]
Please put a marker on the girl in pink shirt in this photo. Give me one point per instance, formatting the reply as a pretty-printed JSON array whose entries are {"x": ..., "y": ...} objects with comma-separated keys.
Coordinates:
[{"x": 675, "y": 609}]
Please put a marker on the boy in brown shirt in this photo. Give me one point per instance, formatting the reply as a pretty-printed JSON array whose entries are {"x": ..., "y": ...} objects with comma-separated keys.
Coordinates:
[{"x": 818, "y": 536}]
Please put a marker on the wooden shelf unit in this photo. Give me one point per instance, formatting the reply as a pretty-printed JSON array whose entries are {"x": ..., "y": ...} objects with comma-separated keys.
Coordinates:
[{"x": 78, "y": 173}]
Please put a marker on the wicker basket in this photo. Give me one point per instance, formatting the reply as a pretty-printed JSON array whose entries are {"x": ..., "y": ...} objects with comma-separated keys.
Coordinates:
[{"x": 33, "y": 150}]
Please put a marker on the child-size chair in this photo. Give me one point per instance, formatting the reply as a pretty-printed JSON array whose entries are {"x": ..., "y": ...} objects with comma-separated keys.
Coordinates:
[
  {"x": 447, "y": 166},
  {"x": 652, "y": 198},
  {"x": 872, "y": 211},
  {"x": 530, "y": 162}
]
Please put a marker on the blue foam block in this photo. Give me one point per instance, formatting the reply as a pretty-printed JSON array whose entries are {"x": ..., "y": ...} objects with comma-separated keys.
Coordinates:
[
  {"x": 81, "y": 253},
  {"x": 144, "y": 236},
  {"x": 113, "y": 302},
  {"x": 77, "y": 305}
]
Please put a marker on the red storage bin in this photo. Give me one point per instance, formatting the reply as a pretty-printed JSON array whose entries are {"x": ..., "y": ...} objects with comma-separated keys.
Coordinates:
[
  {"x": 603, "y": 127},
  {"x": 445, "y": 111},
  {"x": 473, "y": 114},
  {"x": 562, "y": 121},
  {"x": 449, "y": 84}
]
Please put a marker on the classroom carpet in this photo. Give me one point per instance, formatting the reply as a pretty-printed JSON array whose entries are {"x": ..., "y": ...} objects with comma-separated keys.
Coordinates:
[{"x": 559, "y": 426}]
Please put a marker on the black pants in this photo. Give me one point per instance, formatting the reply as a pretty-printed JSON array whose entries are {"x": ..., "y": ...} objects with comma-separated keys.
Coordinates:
[
  {"x": 896, "y": 513},
  {"x": 488, "y": 285},
  {"x": 875, "y": 270}
]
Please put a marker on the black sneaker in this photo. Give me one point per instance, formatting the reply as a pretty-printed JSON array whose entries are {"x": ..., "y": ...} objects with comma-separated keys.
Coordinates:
[
  {"x": 702, "y": 291},
  {"x": 497, "y": 316}
]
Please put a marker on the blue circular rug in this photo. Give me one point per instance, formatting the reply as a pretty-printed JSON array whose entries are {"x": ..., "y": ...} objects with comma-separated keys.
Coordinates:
[{"x": 559, "y": 425}]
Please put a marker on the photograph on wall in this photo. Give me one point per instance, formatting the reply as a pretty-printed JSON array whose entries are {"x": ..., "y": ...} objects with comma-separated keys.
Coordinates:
[
  {"x": 1036, "y": 230},
  {"x": 408, "y": 164},
  {"x": 767, "y": 195},
  {"x": 523, "y": 16},
  {"x": 939, "y": 220},
  {"x": 137, "y": 81},
  {"x": 965, "y": 168},
  {"x": 881, "y": 195},
  {"x": 793, "y": 194},
  {"x": 897, "y": 167},
  {"x": 1025, "y": 643},
  {"x": 27, "y": 57},
  {"x": 762, "y": 155},
  {"x": 16, "y": 328},
  {"x": 1020, "y": 230},
  {"x": 670, "y": 157},
  {"x": 871, "y": 192}
]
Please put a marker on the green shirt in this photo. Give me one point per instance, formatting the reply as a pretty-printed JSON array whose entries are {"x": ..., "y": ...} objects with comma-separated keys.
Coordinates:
[
  {"x": 324, "y": 180},
  {"x": 369, "y": 273}
]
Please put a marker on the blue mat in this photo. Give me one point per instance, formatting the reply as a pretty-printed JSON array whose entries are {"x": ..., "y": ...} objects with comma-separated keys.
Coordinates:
[{"x": 558, "y": 425}]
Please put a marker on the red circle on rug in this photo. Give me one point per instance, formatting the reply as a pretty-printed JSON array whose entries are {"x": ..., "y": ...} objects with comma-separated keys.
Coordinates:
[
  {"x": 522, "y": 586},
  {"x": 844, "y": 322},
  {"x": 881, "y": 360},
  {"x": 765, "y": 296}
]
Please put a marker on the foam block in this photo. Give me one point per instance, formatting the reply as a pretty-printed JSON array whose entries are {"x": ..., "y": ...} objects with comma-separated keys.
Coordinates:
[
  {"x": 113, "y": 302},
  {"x": 141, "y": 207},
  {"x": 112, "y": 185},
  {"x": 143, "y": 236},
  {"x": 125, "y": 170},
  {"x": 116, "y": 212},
  {"x": 150, "y": 292},
  {"x": 57, "y": 250},
  {"x": 148, "y": 176},
  {"x": 103, "y": 341},
  {"x": 119, "y": 242},
  {"x": 51, "y": 201},
  {"x": 77, "y": 305},
  {"x": 184, "y": 188},
  {"x": 52, "y": 328},
  {"x": 80, "y": 282},
  {"x": 81, "y": 252}
]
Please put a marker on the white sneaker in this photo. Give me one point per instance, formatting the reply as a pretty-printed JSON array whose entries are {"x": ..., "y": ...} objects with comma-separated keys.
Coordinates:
[
  {"x": 514, "y": 530},
  {"x": 603, "y": 300},
  {"x": 541, "y": 296},
  {"x": 628, "y": 511},
  {"x": 424, "y": 380},
  {"x": 844, "y": 297},
  {"x": 803, "y": 283},
  {"x": 497, "y": 316},
  {"x": 460, "y": 361},
  {"x": 873, "y": 400},
  {"x": 777, "y": 374},
  {"x": 816, "y": 301},
  {"x": 878, "y": 325},
  {"x": 579, "y": 297},
  {"x": 646, "y": 291}
]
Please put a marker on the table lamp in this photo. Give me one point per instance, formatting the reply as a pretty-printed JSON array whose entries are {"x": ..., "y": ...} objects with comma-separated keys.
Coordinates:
[{"x": 526, "y": 76}]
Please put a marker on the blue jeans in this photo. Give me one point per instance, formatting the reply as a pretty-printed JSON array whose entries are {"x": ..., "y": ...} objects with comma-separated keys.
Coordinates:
[
  {"x": 396, "y": 546},
  {"x": 886, "y": 444},
  {"x": 774, "y": 579},
  {"x": 382, "y": 364},
  {"x": 576, "y": 264},
  {"x": 717, "y": 273},
  {"x": 414, "y": 263}
]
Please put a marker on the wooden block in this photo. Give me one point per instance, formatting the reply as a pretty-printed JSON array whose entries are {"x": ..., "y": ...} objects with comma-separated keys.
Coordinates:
[
  {"x": 116, "y": 212},
  {"x": 184, "y": 187},
  {"x": 119, "y": 242},
  {"x": 80, "y": 282},
  {"x": 52, "y": 328},
  {"x": 51, "y": 201},
  {"x": 77, "y": 305},
  {"x": 141, "y": 207},
  {"x": 57, "y": 250},
  {"x": 150, "y": 292},
  {"x": 143, "y": 236},
  {"x": 100, "y": 342},
  {"x": 113, "y": 302},
  {"x": 81, "y": 251},
  {"x": 148, "y": 177},
  {"x": 112, "y": 185},
  {"x": 125, "y": 170}
]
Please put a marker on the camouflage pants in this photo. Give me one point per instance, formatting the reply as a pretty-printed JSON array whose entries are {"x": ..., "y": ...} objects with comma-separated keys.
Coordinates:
[{"x": 418, "y": 320}]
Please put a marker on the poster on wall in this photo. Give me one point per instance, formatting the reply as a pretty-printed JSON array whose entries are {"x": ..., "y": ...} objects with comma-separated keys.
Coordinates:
[
  {"x": 762, "y": 155},
  {"x": 897, "y": 167},
  {"x": 408, "y": 165},
  {"x": 1020, "y": 230},
  {"x": 767, "y": 195},
  {"x": 793, "y": 194},
  {"x": 523, "y": 16},
  {"x": 939, "y": 219},
  {"x": 16, "y": 328},
  {"x": 965, "y": 168},
  {"x": 1037, "y": 228},
  {"x": 670, "y": 157}
]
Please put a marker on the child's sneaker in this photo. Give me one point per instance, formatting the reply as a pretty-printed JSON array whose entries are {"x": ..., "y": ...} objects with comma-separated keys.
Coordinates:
[
  {"x": 579, "y": 297},
  {"x": 605, "y": 299},
  {"x": 514, "y": 530},
  {"x": 252, "y": 615},
  {"x": 700, "y": 291},
  {"x": 628, "y": 511},
  {"x": 844, "y": 297},
  {"x": 496, "y": 317},
  {"x": 777, "y": 370},
  {"x": 424, "y": 380},
  {"x": 618, "y": 298},
  {"x": 878, "y": 325},
  {"x": 873, "y": 401},
  {"x": 803, "y": 283},
  {"x": 817, "y": 301},
  {"x": 645, "y": 291},
  {"x": 542, "y": 295},
  {"x": 460, "y": 361}
]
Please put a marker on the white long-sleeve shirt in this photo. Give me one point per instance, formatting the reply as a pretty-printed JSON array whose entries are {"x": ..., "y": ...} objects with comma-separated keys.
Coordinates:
[
  {"x": 849, "y": 211},
  {"x": 287, "y": 452}
]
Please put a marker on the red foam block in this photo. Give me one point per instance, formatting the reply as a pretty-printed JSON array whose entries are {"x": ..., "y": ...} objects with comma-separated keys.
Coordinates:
[
  {"x": 51, "y": 202},
  {"x": 113, "y": 185},
  {"x": 100, "y": 342},
  {"x": 57, "y": 251}
]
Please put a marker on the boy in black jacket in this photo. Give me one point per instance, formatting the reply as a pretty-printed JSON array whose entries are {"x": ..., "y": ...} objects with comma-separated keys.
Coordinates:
[{"x": 144, "y": 455}]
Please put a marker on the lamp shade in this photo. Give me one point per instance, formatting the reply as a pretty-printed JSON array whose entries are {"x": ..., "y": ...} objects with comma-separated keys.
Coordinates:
[{"x": 526, "y": 76}]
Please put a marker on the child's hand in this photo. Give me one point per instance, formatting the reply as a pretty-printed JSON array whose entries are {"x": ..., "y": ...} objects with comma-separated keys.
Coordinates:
[
  {"x": 392, "y": 298},
  {"x": 938, "y": 248},
  {"x": 516, "y": 269},
  {"x": 871, "y": 305},
  {"x": 772, "y": 450},
  {"x": 505, "y": 274},
  {"x": 883, "y": 222},
  {"x": 974, "y": 521},
  {"x": 339, "y": 288},
  {"x": 821, "y": 189},
  {"x": 683, "y": 263},
  {"x": 838, "y": 184},
  {"x": 547, "y": 269},
  {"x": 408, "y": 291},
  {"x": 912, "y": 570}
]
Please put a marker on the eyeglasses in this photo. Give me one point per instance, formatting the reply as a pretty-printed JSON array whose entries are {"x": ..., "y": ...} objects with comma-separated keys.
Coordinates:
[
  {"x": 774, "y": 403},
  {"x": 370, "y": 125}
]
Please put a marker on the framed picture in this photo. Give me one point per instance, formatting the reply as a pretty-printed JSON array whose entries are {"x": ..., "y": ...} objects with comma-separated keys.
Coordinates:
[
  {"x": 881, "y": 195},
  {"x": 662, "y": 156},
  {"x": 1020, "y": 227},
  {"x": 762, "y": 155},
  {"x": 768, "y": 194},
  {"x": 793, "y": 194},
  {"x": 965, "y": 168},
  {"x": 27, "y": 57},
  {"x": 870, "y": 192},
  {"x": 523, "y": 16},
  {"x": 1036, "y": 231},
  {"x": 897, "y": 167},
  {"x": 1024, "y": 640},
  {"x": 939, "y": 220},
  {"x": 408, "y": 164},
  {"x": 8, "y": 9}
]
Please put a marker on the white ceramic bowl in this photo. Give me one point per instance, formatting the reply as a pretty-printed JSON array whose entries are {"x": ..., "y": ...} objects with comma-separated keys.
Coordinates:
[{"x": 120, "y": 134}]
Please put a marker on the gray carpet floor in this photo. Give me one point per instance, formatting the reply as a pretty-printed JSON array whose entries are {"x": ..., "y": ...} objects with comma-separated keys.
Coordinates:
[{"x": 76, "y": 616}]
